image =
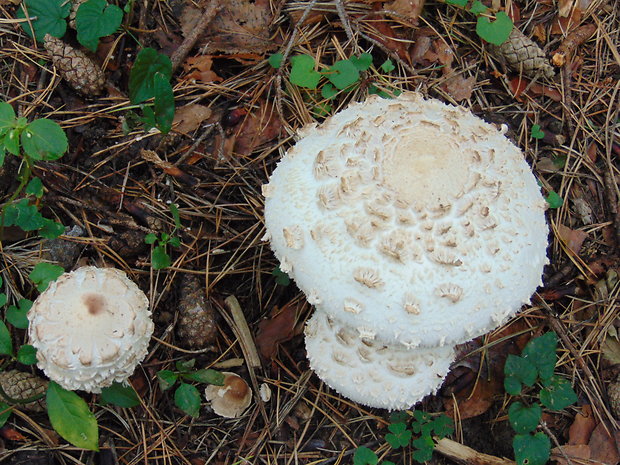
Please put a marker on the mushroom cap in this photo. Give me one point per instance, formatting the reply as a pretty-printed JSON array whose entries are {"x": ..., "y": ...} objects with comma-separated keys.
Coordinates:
[
  {"x": 372, "y": 372},
  {"x": 91, "y": 327},
  {"x": 231, "y": 399},
  {"x": 410, "y": 219}
]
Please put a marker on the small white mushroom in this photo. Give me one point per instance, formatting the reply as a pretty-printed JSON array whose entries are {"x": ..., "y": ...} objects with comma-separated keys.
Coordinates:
[
  {"x": 231, "y": 399},
  {"x": 91, "y": 327}
]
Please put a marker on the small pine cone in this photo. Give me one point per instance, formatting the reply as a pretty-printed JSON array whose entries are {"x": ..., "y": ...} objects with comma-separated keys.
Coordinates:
[
  {"x": 72, "y": 14},
  {"x": 613, "y": 391},
  {"x": 522, "y": 54},
  {"x": 20, "y": 386},
  {"x": 75, "y": 67},
  {"x": 197, "y": 319}
]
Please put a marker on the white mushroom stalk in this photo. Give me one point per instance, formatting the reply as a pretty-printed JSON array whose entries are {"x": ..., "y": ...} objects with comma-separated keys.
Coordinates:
[
  {"x": 408, "y": 220},
  {"x": 91, "y": 327}
]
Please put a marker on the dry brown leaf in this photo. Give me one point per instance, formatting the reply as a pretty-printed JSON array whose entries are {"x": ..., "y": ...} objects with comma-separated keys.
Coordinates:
[
  {"x": 610, "y": 348},
  {"x": 562, "y": 25},
  {"x": 279, "y": 328},
  {"x": 581, "y": 451},
  {"x": 565, "y": 7},
  {"x": 409, "y": 9},
  {"x": 603, "y": 446},
  {"x": 199, "y": 69},
  {"x": 385, "y": 34},
  {"x": 189, "y": 117},
  {"x": 12, "y": 434},
  {"x": 241, "y": 26},
  {"x": 459, "y": 87},
  {"x": 572, "y": 237},
  {"x": 580, "y": 431},
  {"x": 259, "y": 126}
]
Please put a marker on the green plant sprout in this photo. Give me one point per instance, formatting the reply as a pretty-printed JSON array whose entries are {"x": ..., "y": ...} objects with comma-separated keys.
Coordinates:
[
  {"x": 39, "y": 140},
  {"x": 535, "y": 366},
  {"x": 419, "y": 430},
  {"x": 186, "y": 396},
  {"x": 495, "y": 32},
  {"x": 159, "y": 255},
  {"x": 536, "y": 132},
  {"x": 342, "y": 76},
  {"x": 94, "y": 19}
]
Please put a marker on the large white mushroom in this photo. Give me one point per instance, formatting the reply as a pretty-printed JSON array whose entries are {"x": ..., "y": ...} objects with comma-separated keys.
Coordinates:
[
  {"x": 408, "y": 220},
  {"x": 91, "y": 327}
]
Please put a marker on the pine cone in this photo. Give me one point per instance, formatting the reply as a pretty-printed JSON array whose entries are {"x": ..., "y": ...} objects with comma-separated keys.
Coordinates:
[
  {"x": 72, "y": 14},
  {"x": 82, "y": 73},
  {"x": 20, "y": 386},
  {"x": 196, "y": 326},
  {"x": 613, "y": 391},
  {"x": 522, "y": 54}
]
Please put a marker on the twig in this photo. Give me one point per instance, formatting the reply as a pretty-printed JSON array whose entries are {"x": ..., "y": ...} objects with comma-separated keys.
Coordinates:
[
  {"x": 180, "y": 53},
  {"x": 243, "y": 332},
  {"x": 466, "y": 455}
]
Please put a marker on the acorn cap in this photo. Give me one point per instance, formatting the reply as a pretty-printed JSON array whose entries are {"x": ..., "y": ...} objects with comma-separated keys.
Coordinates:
[
  {"x": 409, "y": 220},
  {"x": 91, "y": 327}
]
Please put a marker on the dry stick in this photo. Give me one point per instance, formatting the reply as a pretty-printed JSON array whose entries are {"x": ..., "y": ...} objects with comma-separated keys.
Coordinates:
[
  {"x": 207, "y": 16},
  {"x": 466, "y": 455}
]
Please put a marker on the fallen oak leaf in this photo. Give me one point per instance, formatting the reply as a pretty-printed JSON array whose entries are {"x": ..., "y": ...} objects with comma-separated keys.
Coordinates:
[
  {"x": 199, "y": 69},
  {"x": 278, "y": 328},
  {"x": 409, "y": 9},
  {"x": 258, "y": 127},
  {"x": 573, "y": 238},
  {"x": 581, "y": 429}
]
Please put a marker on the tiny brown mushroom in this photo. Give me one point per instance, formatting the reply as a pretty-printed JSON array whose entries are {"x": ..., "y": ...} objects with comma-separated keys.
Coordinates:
[{"x": 231, "y": 399}]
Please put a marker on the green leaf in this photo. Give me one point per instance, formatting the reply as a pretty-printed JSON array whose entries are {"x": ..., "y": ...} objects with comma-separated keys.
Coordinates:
[
  {"x": 27, "y": 354},
  {"x": 6, "y": 344},
  {"x": 364, "y": 456},
  {"x": 275, "y": 60},
  {"x": 363, "y": 62},
  {"x": 3, "y": 299},
  {"x": 160, "y": 258},
  {"x": 531, "y": 449},
  {"x": 2, "y": 152},
  {"x": 174, "y": 209},
  {"x": 281, "y": 277},
  {"x": 328, "y": 91},
  {"x": 44, "y": 273},
  {"x": 7, "y": 118},
  {"x": 149, "y": 117},
  {"x": 141, "y": 82},
  {"x": 120, "y": 395},
  {"x": 71, "y": 417},
  {"x": 478, "y": 8},
  {"x": 11, "y": 141},
  {"x": 166, "y": 379},
  {"x": 150, "y": 238},
  {"x": 387, "y": 66},
  {"x": 35, "y": 187},
  {"x": 27, "y": 216},
  {"x": 461, "y": 3},
  {"x": 541, "y": 352},
  {"x": 536, "y": 132},
  {"x": 443, "y": 425},
  {"x": 44, "y": 139},
  {"x": 164, "y": 102},
  {"x": 5, "y": 413},
  {"x": 399, "y": 436},
  {"x": 558, "y": 394},
  {"x": 51, "y": 229},
  {"x": 17, "y": 315},
  {"x": 95, "y": 19},
  {"x": 185, "y": 365},
  {"x": 517, "y": 371},
  {"x": 554, "y": 200},
  {"x": 187, "y": 398},
  {"x": 424, "y": 446},
  {"x": 524, "y": 419},
  {"x": 343, "y": 74},
  {"x": 50, "y": 17},
  {"x": 495, "y": 32},
  {"x": 303, "y": 73},
  {"x": 206, "y": 375},
  {"x": 175, "y": 242}
]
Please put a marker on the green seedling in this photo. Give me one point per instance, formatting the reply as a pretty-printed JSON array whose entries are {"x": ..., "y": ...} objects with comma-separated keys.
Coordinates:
[
  {"x": 281, "y": 277},
  {"x": 94, "y": 19},
  {"x": 159, "y": 255},
  {"x": 419, "y": 431},
  {"x": 186, "y": 395},
  {"x": 535, "y": 367},
  {"x": 554, "y": 200},
  {"x": 494, "y": 30},
  {"x": 150, "y": 78},
  {"x": 39, "y": 140},
  {"x": 536, "y": 132}
]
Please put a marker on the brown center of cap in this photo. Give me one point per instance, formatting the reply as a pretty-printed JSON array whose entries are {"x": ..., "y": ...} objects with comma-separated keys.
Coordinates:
[{"x": 95, "y": 303}]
